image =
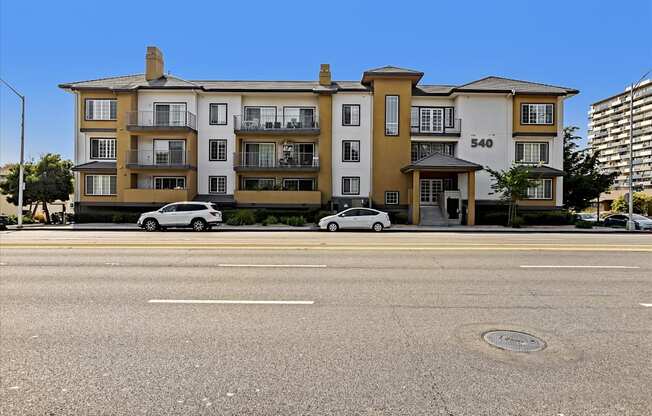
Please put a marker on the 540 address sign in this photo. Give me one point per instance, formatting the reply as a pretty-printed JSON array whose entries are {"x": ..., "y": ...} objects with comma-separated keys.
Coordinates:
[{"x": 482, "y": 143}]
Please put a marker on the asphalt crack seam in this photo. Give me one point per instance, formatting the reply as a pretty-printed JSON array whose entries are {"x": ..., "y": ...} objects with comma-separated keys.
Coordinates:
[{"x": 407, "y": 336}]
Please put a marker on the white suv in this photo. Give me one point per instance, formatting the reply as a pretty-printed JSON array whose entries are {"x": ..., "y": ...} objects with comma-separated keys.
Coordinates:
[{"x": 198, "y": 215}]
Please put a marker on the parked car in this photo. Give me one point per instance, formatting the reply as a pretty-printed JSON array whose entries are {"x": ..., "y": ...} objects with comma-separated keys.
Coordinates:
[
  {"x": 4, "y": 221},
  {"x": 199, "y": 216},
  {"x": 586, "y": 216},
  {"x": 356, "y": 218},
  {"x": 620, "y": 220}
]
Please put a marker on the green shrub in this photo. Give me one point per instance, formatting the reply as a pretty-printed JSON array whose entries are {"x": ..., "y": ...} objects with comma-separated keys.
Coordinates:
[
  {"x": 297, "y": 221},
  {"x": 270, "y": 220},
  {"x": 399, "y": 217},
  {"x": 242, "y": 217},
  {"x": 518, "y": 222},
  {"x": 13, "y": 220},
  {"x": 493, "y": 218},
  {"x": 583, "y": 224},
  {"x": 547, "y": 218},
  {"x": 118, "y": 218},
  {"x": 321, "y": 214}
]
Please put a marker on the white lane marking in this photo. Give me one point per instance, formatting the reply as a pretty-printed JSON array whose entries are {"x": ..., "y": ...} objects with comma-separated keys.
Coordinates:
[
  {"x": 646, "y": 305},
  {"x": 234, "y": 302},
  {"x": 577, "y": 267},
  {"x": 3, "y": 264},
  {"x": 112, "y": 264},
  {"x": 312, "y": 266}
]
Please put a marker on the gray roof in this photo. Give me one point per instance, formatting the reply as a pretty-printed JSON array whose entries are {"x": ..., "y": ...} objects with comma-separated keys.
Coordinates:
[
  {"x": 438, "y": 161},
  {"x": 545, "y": 171},
  {"x": 488, "y": 84},
  {"x": 93, "y": 166},
  {"x": 498, "y": 84},
  {"x": 131, "y": 82}
]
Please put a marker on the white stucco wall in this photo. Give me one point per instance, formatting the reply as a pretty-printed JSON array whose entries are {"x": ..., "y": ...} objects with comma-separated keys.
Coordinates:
[
  {"x": 206, "y": 132},
  {"x": 361, "y": 133}
]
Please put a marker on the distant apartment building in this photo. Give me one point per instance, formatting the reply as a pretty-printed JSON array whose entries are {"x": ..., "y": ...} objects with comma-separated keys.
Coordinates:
[
  {"x": 385, "y": 141},
  {"x": 608, "y": 133}
]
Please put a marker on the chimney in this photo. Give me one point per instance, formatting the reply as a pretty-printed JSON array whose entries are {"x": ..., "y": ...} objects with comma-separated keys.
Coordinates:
[
  {"x": 153, "y": 63},
  {"x": 325, "y": 75}
]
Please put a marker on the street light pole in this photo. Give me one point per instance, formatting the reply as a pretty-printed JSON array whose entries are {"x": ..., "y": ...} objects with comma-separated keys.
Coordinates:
[
  {"x": 631, "y": 226},
  {"x": 21, "y": 173}
]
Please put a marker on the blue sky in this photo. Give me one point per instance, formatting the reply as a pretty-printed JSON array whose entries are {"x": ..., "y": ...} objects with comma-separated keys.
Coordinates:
[{"x": 595, "y": 46}]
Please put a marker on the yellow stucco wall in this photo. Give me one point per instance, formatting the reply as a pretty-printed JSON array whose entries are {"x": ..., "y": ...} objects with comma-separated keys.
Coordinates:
[
  {"x": 391, "y": 153},
  {"x": 533, "y": 128},
  {"x": 278, "y": 197},
  {"x": 83, "y": 123}
]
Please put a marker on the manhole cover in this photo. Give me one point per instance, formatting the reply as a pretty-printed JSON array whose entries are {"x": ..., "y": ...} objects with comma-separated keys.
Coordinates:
[{"x": 514, "y": 341}]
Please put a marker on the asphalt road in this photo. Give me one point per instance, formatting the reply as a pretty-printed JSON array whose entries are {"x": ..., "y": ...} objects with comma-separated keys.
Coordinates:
[{"x": 359, "y": 324}]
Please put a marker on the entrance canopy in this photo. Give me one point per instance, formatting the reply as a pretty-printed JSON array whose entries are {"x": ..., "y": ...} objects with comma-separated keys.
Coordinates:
[{"x": 438, "y": 162}]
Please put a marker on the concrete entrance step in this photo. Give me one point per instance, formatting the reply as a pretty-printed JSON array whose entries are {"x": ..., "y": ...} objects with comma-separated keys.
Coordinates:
[{"x": 432, "y": 215}]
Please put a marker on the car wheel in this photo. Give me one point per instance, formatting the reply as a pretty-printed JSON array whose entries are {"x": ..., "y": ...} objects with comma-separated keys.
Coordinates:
[
  {"x": 332, "y": 227},
  {"x": 198, "y": 225},
  {"x": 377, "y": 227},
  {"x": 150, "y": 225}
]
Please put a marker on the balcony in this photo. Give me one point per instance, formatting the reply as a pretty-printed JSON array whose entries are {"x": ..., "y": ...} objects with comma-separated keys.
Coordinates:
[
  {"x": 161, "y": 120},
  {"x": 453, "y": 130},
  {"x": 282, "y": 123},
  {"x": 297, "y": 161},
  {"x": 281, "y": 198},
  {"x": 159, "y": 159},
  {"x": 155, "y": 196}
]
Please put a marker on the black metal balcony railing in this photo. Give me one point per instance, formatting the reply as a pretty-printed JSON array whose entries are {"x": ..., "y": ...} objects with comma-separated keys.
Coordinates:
[
  {"x": 158, "y": 158},
  {"x": 260, "y": 160},
  {"x": 455, "y": 128},
  {"x": 162, "y": 119},
  {"x": 285, "y": 123}
]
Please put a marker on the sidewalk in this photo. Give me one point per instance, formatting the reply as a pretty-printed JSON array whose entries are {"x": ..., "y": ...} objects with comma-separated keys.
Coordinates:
[{"x": 395, "y": 228}]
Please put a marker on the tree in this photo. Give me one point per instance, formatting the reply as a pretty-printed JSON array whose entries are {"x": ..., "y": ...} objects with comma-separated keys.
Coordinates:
[
  {"x": 46, "y": 181},
  {"x": 641, "y": 202},
  {"x": 512, "y": 185},
  {"x": 584, "y": 181}
]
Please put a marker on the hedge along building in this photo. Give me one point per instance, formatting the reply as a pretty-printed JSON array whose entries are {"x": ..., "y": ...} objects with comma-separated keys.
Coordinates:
[{"x": 385, "y": 141}]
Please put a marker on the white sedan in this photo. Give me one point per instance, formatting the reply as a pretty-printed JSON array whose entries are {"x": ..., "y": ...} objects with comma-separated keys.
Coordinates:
[{"x": 356, "y": 218}]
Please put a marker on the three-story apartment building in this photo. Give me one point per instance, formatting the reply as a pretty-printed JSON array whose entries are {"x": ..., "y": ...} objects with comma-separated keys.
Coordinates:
[{"x": 386, "y": 141}]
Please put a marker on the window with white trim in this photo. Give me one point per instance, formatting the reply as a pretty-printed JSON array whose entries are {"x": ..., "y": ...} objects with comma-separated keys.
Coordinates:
[
  {"x": 101, "y": 109},
  {"x": 217, "y": 150},
  {"x": 391, "y": 115},
  {"x": 541, "y": 190},
  {"x": 527, "y": 152},
  {"x": 537, "y": 113},
  {"x": 350, "y": 150},
  {"x": 350, "y": 114},
  {"x": 170, "y": 182},
  {"x": 351, "y": 185},
  {"x": 102, "y": 148},
  {"x": 217, "y": 184},
  {"x": 391, "y": 198},
  {"x": 217, "y": 114},
  {"x": 100, "y": 185}
]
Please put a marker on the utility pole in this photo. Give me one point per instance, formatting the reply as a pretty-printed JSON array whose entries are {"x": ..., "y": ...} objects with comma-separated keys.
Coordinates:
[
  {"x": 631, "y": 226},
  {"x": 21, "y": 174}
]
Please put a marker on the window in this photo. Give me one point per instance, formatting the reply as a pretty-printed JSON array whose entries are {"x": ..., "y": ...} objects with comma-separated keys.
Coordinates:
[
  {"x": 217, "y": 149},
  {"x": 299, "y": 118},
  {"x": 170, "y": 114},
  {"x": 449, "y": 117},
  {"x": 170, "y": 182},
  {"x": 260, "y": 117},
  {"x": 171, "y": 208},
  {"x": 414, "y": 118},
  {"x": 423, "y": 149},
  {"x": 101, "y": 109},
  {"x": 169, "y": 152},
  {"x": 350, "y": 114},
  {"x": 351, "y": 185},
  {"x": 391, "y": 198},
  {"x": 431, "y": 120},
  {"x": 298, "y": 184},
  {"x": 217, "y": 184},
  {"x": 102, "y": 148},
  {"x": 537, "y": 113},
  {"x": 351, "y": 151},
  {"x": 191, "y": 207},
  {"x": 217, "y": 114},
  {"x": 542, "y": 189},
  {"x": 531, "y": 152},
  {"x": 100, "y": 184},
  {"x": 258, "y": 184},
  {"x": 391, "y": 115}
]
